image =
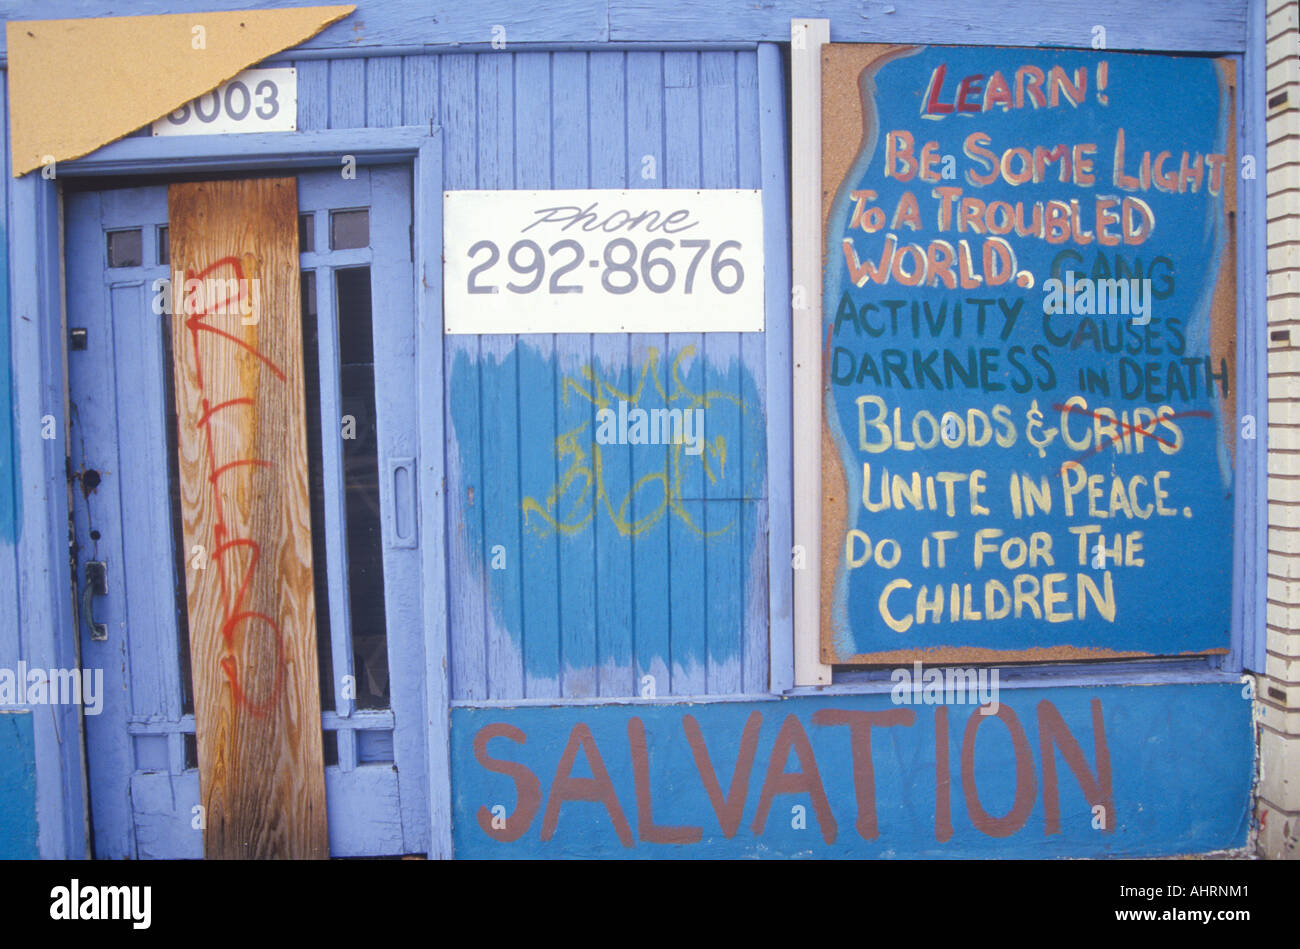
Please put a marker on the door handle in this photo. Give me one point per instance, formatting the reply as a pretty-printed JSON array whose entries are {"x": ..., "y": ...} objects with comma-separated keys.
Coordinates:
[
  {"x": 400, "y": 523},
  {"x": 96, "y": 585}
]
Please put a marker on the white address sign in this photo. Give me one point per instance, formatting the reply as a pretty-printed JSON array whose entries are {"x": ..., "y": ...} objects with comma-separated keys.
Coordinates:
[
  {"x": 257, "y": 100},
  {"x": 652, "y": 261}
]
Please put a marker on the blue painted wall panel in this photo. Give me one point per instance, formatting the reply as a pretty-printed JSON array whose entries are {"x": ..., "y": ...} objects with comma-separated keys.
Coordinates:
[
  {"x": 611, "y": 564},
  {"x": 1057, "y": 772},
  {"x": 17, "y": 787}
]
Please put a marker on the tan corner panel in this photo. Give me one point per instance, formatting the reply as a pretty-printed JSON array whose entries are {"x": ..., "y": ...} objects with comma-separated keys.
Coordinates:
[{"x": 75, "y": 85}]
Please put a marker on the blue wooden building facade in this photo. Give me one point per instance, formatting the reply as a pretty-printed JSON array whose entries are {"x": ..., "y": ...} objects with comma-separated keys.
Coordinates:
[{"x": 551, "y": 651}]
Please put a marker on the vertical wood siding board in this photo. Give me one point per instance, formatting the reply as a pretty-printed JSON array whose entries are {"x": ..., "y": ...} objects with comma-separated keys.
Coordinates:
[
  {"x": 651, "y": 547},
  {"x": 347, "y": 93},
  {"x": 651, "y": 552},
  {"x": 688, "y": 582},
  {"x": 753, "y": 345},
  {"x": 539, "y": 549},
  {"x": 611, "y": 162},
  {"x": 498, "y": 370},
  {"x": 725, "y": 569},
  {"x": 499, "y": 381},
  {"x": 334, "y": 507},
  {"x": 607, "y": 129},
  {"x": 458, "y": 117},
  {"x": 90, "y": 303},
  {"x": 1252, "y": 486},
  {"x": 313, "y": 94},
  {"x": 485, "y": 606},
  {"x": 725, "y": 559},
  {"x": 467, "y": 552},
  {"x": 384, "y": 91},
  {"x": 392, "y": 287},
  {"x": 777, "y": 377},
  {"x": 719, "y": 129},
  {"x": 420, "y": 90},
  {"x": 754, "y": 547},
  {"x": 428, "y": 182},
  {"x": 577, "y": 553},
  {"x": 539, "y": 546},
  {"x": 571, "y": 168},
  {"x": 468, "y": 565},
  {"x": 466, "y": 571},
  {"x": 611, "y": 362},
  {"x": 688, "y": 576}
]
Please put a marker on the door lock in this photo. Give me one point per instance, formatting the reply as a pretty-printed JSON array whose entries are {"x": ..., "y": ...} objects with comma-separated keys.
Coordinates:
[{"x": 96, "y": 585}]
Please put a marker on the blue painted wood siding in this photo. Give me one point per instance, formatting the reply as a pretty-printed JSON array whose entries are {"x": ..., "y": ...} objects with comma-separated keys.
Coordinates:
[{"x": 590, "y": 596}]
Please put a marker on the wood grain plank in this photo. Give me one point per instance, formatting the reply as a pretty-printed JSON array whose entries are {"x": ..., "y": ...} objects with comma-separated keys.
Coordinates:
[
  {"x": 419, "y": 90},
  {"x": 347, "y": 87},
  {"x": 313, "y": 94},
  {"x": 383, "y": 91},
  {"x": 684, "y": 360},
  {"x": 573, "y": 355},
  {"x": 754, "y": 394},
  {"x": 499, "y": 400},
  {"x": 726, "y": 454},
  {"x": 538, "y": 461},
  {"x": 610, "y": 168},
  {"x": 458, "y": 116},
  {"x": 467, "y": 573},
  {"x": 242, "y": 450},
  {"x": 652, "y": 645}
]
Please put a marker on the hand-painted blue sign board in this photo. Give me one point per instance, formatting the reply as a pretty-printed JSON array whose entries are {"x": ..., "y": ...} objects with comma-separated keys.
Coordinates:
[
  {"x": 1029, "y": 320},
  {"x": 1061, "y": 772}
]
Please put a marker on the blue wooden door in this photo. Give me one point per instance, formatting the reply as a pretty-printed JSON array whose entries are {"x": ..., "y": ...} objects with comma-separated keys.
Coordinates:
[{"x": 359, "y": 357}]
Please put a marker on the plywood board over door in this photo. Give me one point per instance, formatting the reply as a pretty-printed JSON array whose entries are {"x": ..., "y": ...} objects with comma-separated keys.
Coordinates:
[{"x": 241, "y": 439}]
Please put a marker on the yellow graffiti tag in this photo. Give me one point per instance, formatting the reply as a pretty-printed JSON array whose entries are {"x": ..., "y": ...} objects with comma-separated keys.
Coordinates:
[{"x": 585, "y": 473}]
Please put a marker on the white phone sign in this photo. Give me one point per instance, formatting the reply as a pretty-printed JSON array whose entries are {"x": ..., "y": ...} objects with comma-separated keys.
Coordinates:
[
  {"x": 645, "y": 261},
  {"x": 257, "y": 100}
]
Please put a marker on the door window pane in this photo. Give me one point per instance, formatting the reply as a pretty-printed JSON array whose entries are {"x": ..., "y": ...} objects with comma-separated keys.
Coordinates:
[
  {"x": 349, "y": 229},
  {"x": 125, "y": 248},
  {"x": 361, "y": 485}
]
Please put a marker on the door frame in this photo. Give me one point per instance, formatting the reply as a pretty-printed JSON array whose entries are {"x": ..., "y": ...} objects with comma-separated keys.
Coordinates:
[{"x": 41, "y": 383}]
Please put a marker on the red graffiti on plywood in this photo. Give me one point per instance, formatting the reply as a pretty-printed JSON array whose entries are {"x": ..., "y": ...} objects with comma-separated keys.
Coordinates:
[{"x": 198, "y": 308}]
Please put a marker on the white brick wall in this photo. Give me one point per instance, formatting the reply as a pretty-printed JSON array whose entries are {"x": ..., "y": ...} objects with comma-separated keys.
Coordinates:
[{"x": 1277, "y": 692}]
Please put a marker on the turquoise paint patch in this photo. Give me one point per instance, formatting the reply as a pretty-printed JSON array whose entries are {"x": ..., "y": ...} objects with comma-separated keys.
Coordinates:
[
  {"x": 673, "y": 491},
  {"x": 17, "y": 787}
]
